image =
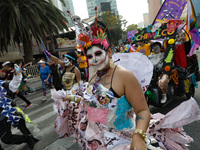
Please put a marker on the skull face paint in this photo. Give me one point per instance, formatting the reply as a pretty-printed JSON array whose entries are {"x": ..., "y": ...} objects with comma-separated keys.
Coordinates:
[
  {"x": 66, "y": 61},
  {"x": 97, "y": 57}
]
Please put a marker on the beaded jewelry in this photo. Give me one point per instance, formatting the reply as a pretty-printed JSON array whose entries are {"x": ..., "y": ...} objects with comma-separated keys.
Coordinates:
[{"x": 101, "y": 73}]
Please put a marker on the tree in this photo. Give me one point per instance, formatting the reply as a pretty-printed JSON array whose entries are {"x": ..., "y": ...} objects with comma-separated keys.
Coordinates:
[
  {"x": 129, "y": 28},
  {"x": 114, "y": 25},
  {"x": 23, "y": 20}
]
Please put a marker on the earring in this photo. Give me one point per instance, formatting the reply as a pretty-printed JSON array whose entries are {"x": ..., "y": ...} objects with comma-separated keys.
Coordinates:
[{"x": 112, "y": 64}]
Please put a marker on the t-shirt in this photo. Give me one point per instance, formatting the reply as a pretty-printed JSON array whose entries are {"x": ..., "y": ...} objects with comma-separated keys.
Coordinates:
[
  {"x": 82, "y": 65},
  {"x": 44, "y": 72},
  {"x": 68, "y": 78},
  {"x": 10, "y": 74},
  {"x": 155, "y": 58},
  {"x": 145, "y": 49}
]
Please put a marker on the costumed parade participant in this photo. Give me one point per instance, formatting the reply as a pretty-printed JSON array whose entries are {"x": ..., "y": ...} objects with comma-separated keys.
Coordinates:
[
  {"x": 110, "y": 111},
  {"x": 45, "y": 75},
  {"x": 128, "y": 47},
  {"x": 14, "y": 116},
  {"x": 144, "y": 48},
  {"x": 9, "y": 71},
  {"x": 156, "y": 59},
  {"x": 70, "y": 74}
]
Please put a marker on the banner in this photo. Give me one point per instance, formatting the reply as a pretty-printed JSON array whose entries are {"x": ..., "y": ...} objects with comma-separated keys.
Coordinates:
[
  {"x": 150, "y": 33},
  {"x": 170, "y": 9}
]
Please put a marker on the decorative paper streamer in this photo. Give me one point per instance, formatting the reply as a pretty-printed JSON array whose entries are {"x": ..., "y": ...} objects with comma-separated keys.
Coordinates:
[
  {"x": 44, "y": 50},
  {"x": 27, "y": 119}
]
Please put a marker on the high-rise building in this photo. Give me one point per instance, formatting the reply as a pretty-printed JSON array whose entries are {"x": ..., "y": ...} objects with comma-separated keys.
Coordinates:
[
  {"x": 58, "y": 4},
  {"x": 69, "y": 6},
  {"x": 196, "y": 4},
  {"x": 154, "y": 7},
  {"x": 102, "y": 6},
  {"x": 146, "y": 19}
]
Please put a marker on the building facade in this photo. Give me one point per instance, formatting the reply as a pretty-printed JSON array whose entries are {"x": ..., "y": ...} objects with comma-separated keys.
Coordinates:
[
  {"x": 58, "y": 4},
  {"x": 154, "y": 7},
  {"x": 196, "y": 4},
  {"x": 68, "y": 6},
  {"x": 102, "y": 6},
  {"x": 146, "y": 19}
]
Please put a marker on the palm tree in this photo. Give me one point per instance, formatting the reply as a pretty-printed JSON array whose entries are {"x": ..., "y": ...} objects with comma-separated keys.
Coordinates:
[{"x": 23, "y": 20}]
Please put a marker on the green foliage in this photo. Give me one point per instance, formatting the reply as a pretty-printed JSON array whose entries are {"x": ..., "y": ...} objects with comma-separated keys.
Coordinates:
[
  {"x": 114, "y": 25},
  {"x": 129, "y": 28},
  {"x": 22, "y": 20}
]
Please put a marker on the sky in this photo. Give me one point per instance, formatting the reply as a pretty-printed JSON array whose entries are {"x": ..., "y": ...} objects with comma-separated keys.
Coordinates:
[{"x": 131, "y": 10}]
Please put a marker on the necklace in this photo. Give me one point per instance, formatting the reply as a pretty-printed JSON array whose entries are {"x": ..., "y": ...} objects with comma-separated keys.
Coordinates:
[{"x": 101, "y": 73}]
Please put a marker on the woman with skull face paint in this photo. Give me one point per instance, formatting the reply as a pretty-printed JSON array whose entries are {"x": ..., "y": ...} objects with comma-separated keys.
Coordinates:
[
  {"x": 71, "y": 73},
  {"x": 113, "y": 104},
  {"x": 120, "y": 83}
]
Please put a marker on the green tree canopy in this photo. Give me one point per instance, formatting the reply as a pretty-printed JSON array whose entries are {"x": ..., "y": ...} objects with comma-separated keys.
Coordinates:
[
  {"x": 114, "y": 25},
  {"x": 23, "y": 20},
  {"x": 129, "y": 28}
]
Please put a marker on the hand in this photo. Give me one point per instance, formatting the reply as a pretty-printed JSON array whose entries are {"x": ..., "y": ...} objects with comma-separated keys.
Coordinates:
[
  {"x": 17, "y": 92},
  {"x": 67, "y": 98},
  {"x": 138, "y": 143},
  {"x": 46, "y": 80}
]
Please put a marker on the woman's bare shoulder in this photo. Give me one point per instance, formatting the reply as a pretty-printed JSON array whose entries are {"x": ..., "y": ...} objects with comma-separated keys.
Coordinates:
[
  {"x": 123, "y": 71},
  {"x": 125, "y": 75}
]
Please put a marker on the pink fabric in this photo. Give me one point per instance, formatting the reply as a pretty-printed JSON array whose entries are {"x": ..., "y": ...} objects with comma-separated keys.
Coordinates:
[
  {"x": 97, "y": 114},
  {"x": 167, "y": 128},
  {"x": 183, "y": 114}
]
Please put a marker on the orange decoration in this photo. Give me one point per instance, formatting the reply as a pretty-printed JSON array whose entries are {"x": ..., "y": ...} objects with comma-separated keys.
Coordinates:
[
  {"x": 167, "y": 68},
  {"x": 175, "y": 76}
]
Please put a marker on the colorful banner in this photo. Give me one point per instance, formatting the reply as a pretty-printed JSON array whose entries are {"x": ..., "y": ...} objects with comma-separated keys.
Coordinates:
[
  {"x": 192, "y": 28},
  {"x": 159, "y": 33},
  {"x": 170, "y": 9}
]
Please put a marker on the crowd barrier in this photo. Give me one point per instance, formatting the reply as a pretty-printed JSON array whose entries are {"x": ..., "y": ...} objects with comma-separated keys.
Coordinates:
[{"x": 32, "y": 70}]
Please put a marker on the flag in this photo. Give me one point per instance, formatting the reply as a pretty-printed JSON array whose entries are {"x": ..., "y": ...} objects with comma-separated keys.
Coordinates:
[
  {"x": 192, "y": 28},
  {"x": 170, "y": 9}
]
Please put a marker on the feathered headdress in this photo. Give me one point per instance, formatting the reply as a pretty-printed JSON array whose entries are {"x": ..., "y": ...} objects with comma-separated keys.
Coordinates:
[{"x": 94, "y": 35}]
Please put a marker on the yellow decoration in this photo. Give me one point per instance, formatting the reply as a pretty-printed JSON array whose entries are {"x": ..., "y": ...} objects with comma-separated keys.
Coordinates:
[
  {"x": 171, "y": 41},
  {"x": 27, "y": 119},
  {"x": 186, "y": 82}
]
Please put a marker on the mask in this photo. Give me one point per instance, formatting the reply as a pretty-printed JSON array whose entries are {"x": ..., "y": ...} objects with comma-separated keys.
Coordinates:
[
  {"x": 97, "y": 57},
  {"x": 66, "y": 61},
  {"x": 156, "y": 49}
]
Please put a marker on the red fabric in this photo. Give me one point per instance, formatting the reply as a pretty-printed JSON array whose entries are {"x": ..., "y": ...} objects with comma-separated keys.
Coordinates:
[{"x": 180, "y": 56}]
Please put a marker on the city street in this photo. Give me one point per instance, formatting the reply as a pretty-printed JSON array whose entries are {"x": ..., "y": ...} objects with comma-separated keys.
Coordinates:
[{"x": 44, "y": 116}]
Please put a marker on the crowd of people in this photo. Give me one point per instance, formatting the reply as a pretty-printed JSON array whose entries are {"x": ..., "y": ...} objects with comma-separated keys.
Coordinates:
[{"x": 105, "y": 103}]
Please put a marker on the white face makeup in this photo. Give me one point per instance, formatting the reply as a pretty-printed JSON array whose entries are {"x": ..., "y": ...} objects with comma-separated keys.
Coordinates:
[
  {"x": 97, "y": 57},
  {"x": 66, "y": 61}
]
